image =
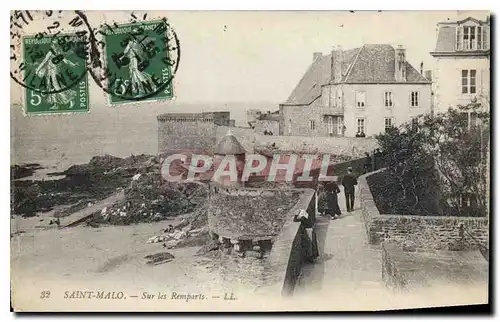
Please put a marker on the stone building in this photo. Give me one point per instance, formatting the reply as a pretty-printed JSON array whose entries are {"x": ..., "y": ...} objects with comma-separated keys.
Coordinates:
[
  {"x": 365, "y": 89},
  {"x": 195, "y": 131},
  {"x": 268, "y": 123},
  {"x": 462, "y": 70}
]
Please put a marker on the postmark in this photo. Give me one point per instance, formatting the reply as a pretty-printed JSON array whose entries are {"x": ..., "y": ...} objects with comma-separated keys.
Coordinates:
[
  {"x": 50, "y": 52},
  {"x": 141, "y": 58}
]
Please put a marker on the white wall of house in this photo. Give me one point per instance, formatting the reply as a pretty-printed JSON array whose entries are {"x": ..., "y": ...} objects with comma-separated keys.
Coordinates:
[
  {"x": 374, "y": 112},
  {"x": 447, "y": 80}
]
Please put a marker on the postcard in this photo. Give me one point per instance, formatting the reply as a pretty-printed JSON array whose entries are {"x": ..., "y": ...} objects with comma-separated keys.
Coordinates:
[{"x": 249, "y": 161}]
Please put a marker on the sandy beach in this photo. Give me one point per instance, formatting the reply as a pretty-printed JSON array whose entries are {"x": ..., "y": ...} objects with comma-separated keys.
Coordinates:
[{"x": 105, "y": 258}]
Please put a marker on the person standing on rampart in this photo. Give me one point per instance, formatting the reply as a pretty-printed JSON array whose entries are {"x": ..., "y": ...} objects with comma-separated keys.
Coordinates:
[{"x": 349, "y": 181}]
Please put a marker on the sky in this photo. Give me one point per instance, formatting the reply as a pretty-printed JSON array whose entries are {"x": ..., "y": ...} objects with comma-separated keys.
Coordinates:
[{"x": 259, "y": 56}]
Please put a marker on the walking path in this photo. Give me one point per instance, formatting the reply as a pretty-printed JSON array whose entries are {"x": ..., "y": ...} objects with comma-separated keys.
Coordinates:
[
  {"x": 347, "y": 262},
  {"x": 348, "y": 274}
]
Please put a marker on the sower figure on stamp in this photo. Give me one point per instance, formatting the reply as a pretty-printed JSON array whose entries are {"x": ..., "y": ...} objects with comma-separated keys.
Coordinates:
[
  {"x": 332, "y": 202},
  {"x": 50, "y": 69},
  {"x": 349, "y": 181}
]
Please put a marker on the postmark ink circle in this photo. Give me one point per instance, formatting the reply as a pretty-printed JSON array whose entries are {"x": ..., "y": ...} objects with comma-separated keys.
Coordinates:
[
  {"x": 50, "y": 51},
  {"x": 139, "y": 59}
]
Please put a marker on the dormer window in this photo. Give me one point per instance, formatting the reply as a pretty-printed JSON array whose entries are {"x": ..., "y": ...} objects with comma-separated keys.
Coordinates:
[
  {"x": 471, "y": 37},
  {"x": 470, "y": 40}
]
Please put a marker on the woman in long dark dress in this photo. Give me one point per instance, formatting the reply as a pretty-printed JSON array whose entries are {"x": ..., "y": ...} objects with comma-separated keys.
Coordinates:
[{"x": 332, "y": 202}]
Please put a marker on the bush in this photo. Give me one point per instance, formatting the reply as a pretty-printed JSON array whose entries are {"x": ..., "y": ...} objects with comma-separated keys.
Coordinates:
[{"x": 436, "y": 164}]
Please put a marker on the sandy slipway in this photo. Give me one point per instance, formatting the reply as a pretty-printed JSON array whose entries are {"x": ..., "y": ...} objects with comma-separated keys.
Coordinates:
[{"x": 147, "y": 197}]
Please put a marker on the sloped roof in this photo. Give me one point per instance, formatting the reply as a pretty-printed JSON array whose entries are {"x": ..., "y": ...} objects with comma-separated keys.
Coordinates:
[
  {"x": 447, "y": 34},
  {"x": 229, "y": 145},
  {"x": 367, "y": 64},
  {"x": 309, "y": 87},
  {"x": 446, "y": 40},
  {"x": 376, "y": 64}
]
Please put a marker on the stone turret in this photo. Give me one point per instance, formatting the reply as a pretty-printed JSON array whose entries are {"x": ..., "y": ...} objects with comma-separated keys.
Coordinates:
[{"x": 229, "y": 152}]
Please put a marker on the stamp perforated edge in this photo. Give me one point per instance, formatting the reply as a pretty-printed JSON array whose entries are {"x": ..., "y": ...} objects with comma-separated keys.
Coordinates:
[
  {"x": 143, "y": 102},
  {"x": 24, "y": 97}
]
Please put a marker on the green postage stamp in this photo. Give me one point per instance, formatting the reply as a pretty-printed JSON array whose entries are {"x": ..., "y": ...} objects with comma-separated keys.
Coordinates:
[
  {"x": 138, "y": 62},
  {"x": 55, "y": 74}
]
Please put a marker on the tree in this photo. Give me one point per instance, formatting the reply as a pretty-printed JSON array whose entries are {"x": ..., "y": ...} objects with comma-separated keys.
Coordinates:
[
  {"x": 439, "y": 163},
  {"x": 408, "y": 184}
]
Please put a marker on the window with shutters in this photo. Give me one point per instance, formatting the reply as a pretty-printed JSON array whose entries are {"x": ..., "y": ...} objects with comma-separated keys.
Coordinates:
[
  {"x": 360, "y": 125},
  {"x": 312, "y": 125},
  {"x": 472, "y": 37},
  {"x": 388, "y": 99},
  {"x": 469, "y": 84},
  {"x": 340, "y": 125},
  {"x": 414, "y": 99},
  {"x": 459, "y": 37},
  {"x": 389, "y": 122},
  {"x": 484, "y": 38},
  {"x": 469, "y": 37},
  {"x": 360, "y": 99},
  {"x": 330, "y": 125}
]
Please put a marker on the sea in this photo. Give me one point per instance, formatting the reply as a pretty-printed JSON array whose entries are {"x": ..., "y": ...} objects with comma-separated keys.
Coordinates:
[{"x": 59, "y": 141}]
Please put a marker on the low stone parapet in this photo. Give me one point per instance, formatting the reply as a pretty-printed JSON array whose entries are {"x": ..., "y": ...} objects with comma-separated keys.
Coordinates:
[{"x": 420, "y": 233}]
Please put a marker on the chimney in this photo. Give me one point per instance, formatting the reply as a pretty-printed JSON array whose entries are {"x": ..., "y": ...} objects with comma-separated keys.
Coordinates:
[
  {"x": 337, "y": 57},
  {"x": 428, "y": 74},
  {"x": 421, "y": 68},
  {"x": 317, "y": 55},
  {"x": 400, "y": 64}
]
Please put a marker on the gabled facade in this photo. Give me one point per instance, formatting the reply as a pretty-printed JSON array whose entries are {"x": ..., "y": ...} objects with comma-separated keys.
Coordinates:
[
  {"x": 462, "y": 69},
  {"x": 358, "y": 91}
]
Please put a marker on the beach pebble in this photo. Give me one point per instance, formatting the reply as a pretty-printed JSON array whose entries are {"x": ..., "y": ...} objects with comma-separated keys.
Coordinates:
[
  {"x": 136, "y": 177},
  {"x": 254, "y": 254},
  {"x": 157, "y": 239}
]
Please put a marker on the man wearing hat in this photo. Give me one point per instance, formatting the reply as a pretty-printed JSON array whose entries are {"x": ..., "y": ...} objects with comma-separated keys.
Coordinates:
[{"x": 349, "y": 181}]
